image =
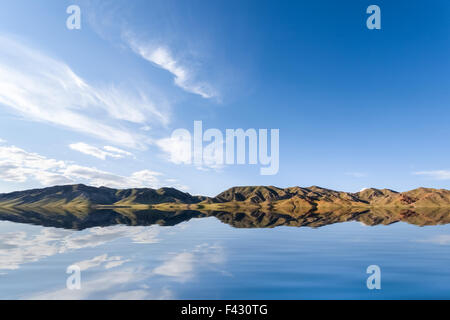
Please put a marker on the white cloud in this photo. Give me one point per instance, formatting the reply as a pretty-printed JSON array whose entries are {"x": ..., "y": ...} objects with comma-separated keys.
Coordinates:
[
  {"x": 98, "y": 236},
  {"x": 180, "y": 266},
  {"x": 175, "y": 184},
  {"x": 113, "y": 285},
  {"x": 2, "y": 141},
  {"x": 118, "y": 151},
  {"x": 108, "y": 262},
  {"x": 18, "y": 248},
  {"x": 44, "y": 89},
  {"x": 98, "y": 287},
  {"x": 178, "y": 148},
  {"x": 436, "y": 174},
  {"x": 91, "y": 150},
  {"x": 130, "y": 282},
  {"x": 162, "y": 57},
  {"x": 95, "y": 177},
  {"x": 51, "y": 179},
  {"x": 115, "y": 263},
  {"x": 99, "y": 153},
  {"x": 18, "y": 165},
  {"x": 28, "y": 159}
]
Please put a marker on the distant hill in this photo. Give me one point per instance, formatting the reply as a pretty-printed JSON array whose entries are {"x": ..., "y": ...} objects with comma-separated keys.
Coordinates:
[
  {"x": 290, "y": 196},
  {"x": 81, "y": 195},
  {"x": 286, "y": 200},
  {"x": 321, "y": 197}
]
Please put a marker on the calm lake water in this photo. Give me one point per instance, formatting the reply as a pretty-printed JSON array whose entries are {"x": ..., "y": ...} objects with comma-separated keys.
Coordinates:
[{"x": 204, "y": 258}]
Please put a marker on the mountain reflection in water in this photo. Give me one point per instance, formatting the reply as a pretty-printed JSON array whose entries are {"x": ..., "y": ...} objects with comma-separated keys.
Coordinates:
[{"x": 80, "y": 219}]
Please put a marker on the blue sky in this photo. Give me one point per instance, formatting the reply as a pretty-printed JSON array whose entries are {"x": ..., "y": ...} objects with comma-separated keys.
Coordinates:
[{"x": 355, "y": 107}]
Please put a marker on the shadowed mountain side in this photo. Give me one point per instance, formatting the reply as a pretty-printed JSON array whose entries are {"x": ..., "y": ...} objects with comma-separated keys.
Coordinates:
[
  {"x": 88, "y": 218},
  {"x": 71, "y": 196}
]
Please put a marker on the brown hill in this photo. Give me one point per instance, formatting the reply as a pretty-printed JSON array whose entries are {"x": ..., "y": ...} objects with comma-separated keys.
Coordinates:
[
  {"x": 255, "y": 194},
  {"x": 293, "y": 200},
  {"x": 298, "y": 197}
]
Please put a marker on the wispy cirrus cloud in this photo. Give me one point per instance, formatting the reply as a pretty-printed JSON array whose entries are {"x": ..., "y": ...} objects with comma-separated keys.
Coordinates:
[
  {"x": 102, "y": 154},
  {"x": 435, "y": 174},
  {"x": 118, "y": 151},
  {"x": 161, "y": 56},
  {"x": 41, "y": 88}
]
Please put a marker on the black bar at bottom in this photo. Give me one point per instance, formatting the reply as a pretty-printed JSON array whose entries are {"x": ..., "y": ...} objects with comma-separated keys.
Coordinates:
[{"x": 208, "y": 309}]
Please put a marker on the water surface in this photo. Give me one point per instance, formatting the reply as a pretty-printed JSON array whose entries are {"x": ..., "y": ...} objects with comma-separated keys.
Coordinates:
[{"x": 205, "y": 255}]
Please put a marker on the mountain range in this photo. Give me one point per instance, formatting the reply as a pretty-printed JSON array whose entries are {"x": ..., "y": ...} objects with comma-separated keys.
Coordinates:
[{"x": 265, "y": 197}]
